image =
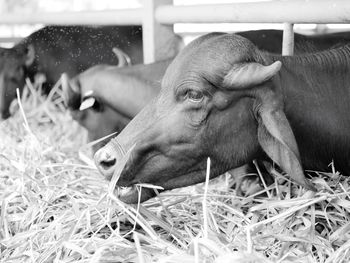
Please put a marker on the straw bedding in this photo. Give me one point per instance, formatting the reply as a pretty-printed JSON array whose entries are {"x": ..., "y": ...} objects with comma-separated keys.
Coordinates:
[{"x": 55, "y": 206}]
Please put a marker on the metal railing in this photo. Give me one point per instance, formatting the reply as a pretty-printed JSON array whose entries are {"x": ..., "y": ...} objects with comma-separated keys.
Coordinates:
[{"x": 158, "y": 16}]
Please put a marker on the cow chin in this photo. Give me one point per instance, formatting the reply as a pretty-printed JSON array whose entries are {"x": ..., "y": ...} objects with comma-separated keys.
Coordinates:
[{"x": 134, "y": 194}]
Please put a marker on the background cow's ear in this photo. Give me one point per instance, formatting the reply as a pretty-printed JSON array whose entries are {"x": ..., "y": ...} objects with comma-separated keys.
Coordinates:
[
  {"x": 71, "y": 95},
  {"x": 276, "y": 137},
  {"x": 123, "y": 58},
  {"x": 30, "y": 55}
]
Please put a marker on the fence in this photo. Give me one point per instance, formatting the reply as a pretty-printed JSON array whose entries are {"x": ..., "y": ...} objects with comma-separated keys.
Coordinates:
[{"x": 158, "y": 16}]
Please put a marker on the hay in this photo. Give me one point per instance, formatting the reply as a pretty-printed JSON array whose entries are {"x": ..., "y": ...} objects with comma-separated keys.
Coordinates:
[{"x": 55, "y": 207}]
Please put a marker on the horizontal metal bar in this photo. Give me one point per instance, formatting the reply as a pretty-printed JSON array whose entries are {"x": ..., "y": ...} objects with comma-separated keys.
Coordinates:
[
  {"x": 110, "y": 17},
  {"x": 10, "y": 39},
  {"x": 296, "y": 11}
]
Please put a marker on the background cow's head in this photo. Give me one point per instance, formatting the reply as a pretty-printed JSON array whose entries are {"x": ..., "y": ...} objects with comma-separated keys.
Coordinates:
[
  {"x": 219, "y": 99},
  {"x": 88, "y": 108},
  {"x": 105, "y": 98},
  {"x": 13, "y": 66}
]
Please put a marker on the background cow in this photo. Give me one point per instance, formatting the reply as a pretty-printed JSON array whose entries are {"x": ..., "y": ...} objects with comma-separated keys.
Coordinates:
[
  {"x": 271, "y": 40},
  {"x": 56, "y": 49},
  {"x": 116, "y": 95},
  {"x": 223, "y": 98}
]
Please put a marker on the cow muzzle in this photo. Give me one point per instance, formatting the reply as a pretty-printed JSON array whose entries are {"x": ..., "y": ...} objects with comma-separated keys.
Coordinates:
[{"x": 110, "y": 161}]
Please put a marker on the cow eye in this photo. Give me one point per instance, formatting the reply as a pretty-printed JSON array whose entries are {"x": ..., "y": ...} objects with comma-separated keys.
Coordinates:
[{"x": 195, "y": 96}]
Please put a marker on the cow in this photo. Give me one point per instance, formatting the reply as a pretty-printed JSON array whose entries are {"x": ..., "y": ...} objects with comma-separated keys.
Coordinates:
[
  {"x": 130, "y": 88},
  {"x": 223, "y": 98},
  {"x": 270, "y": 40},
  {"x": 53, "y": 50}
]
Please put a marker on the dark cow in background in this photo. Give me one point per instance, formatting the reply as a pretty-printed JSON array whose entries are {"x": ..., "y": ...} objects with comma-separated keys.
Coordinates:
[
  {"x": 271, "y": 40},
  {"x": 225, "y": 99},
  {"x": 53, "y": 50},
  {"x": 114, "y": 95}
]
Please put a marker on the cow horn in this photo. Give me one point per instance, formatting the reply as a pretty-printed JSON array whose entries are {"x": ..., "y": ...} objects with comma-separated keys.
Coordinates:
[
  {"x": 88, "y": 101},
  {"x": 123, "y": 58},
  {"x": 70, "y": 96},
  {"x": 245, "y": 75},
  {"x": 30, "y": 55},
  {"x": 65, "y": 87}
]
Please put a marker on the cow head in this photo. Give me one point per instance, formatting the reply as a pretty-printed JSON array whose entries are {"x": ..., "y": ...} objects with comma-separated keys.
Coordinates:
[
  {"x": 13, "y": 65},
  {"x": 219, "y": 99},
  {"x": 81, "y": 95}
]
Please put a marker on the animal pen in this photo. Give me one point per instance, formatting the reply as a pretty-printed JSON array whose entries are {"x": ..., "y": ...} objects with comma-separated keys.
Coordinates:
[{"x": 54, "y": 203}]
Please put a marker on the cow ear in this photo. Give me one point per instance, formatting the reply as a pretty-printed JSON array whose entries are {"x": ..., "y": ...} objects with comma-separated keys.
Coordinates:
[
  {"x": 30, "y": 55},
  {"x": 71, "y": 95},
  {"x": 246, "y": 75},
  {"x": 123, "y": 58},
  {"x": 276, "y": 137}
]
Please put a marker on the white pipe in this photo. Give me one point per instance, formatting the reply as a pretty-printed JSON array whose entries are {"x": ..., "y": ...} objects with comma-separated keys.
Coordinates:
[
  {"x": 296, "y": 11},
  {"x": 110, "y": 17},
  {"x": 10, "y": 39},
  {"x": 288, "y": 40}
]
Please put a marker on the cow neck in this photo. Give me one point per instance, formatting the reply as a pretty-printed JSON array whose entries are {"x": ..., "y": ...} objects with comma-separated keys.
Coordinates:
[{"x": 315, "y": 89}]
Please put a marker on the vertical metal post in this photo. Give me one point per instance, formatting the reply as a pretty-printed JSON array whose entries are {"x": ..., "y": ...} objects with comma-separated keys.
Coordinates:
[
  {"x": 3, "y": 5},
  {"x": 159, "y": 41},
  {"x": 288, "y": 40}
]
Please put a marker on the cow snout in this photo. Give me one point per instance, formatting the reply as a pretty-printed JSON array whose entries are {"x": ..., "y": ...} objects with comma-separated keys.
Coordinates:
[{"x": 105, "y": 162}]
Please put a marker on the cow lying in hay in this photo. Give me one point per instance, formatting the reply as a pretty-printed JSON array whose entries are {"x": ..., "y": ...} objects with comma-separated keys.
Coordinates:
[{"x": 223, "y": 98}]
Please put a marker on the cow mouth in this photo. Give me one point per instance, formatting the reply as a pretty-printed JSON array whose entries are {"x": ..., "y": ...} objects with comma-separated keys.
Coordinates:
[
  {"x": 125, "y": 191},
  {"x": 133, "y": 194},
  {"x": 140, "y": 192}
]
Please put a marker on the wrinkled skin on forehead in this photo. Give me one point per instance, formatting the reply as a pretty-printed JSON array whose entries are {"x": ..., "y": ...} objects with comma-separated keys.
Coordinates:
[{"x": 193, "y": 118}]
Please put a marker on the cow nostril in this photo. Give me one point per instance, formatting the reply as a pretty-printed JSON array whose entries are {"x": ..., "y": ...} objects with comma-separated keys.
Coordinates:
[
  {"x": 105, "y": 161},
  {"x": 107, "y": 164}
]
